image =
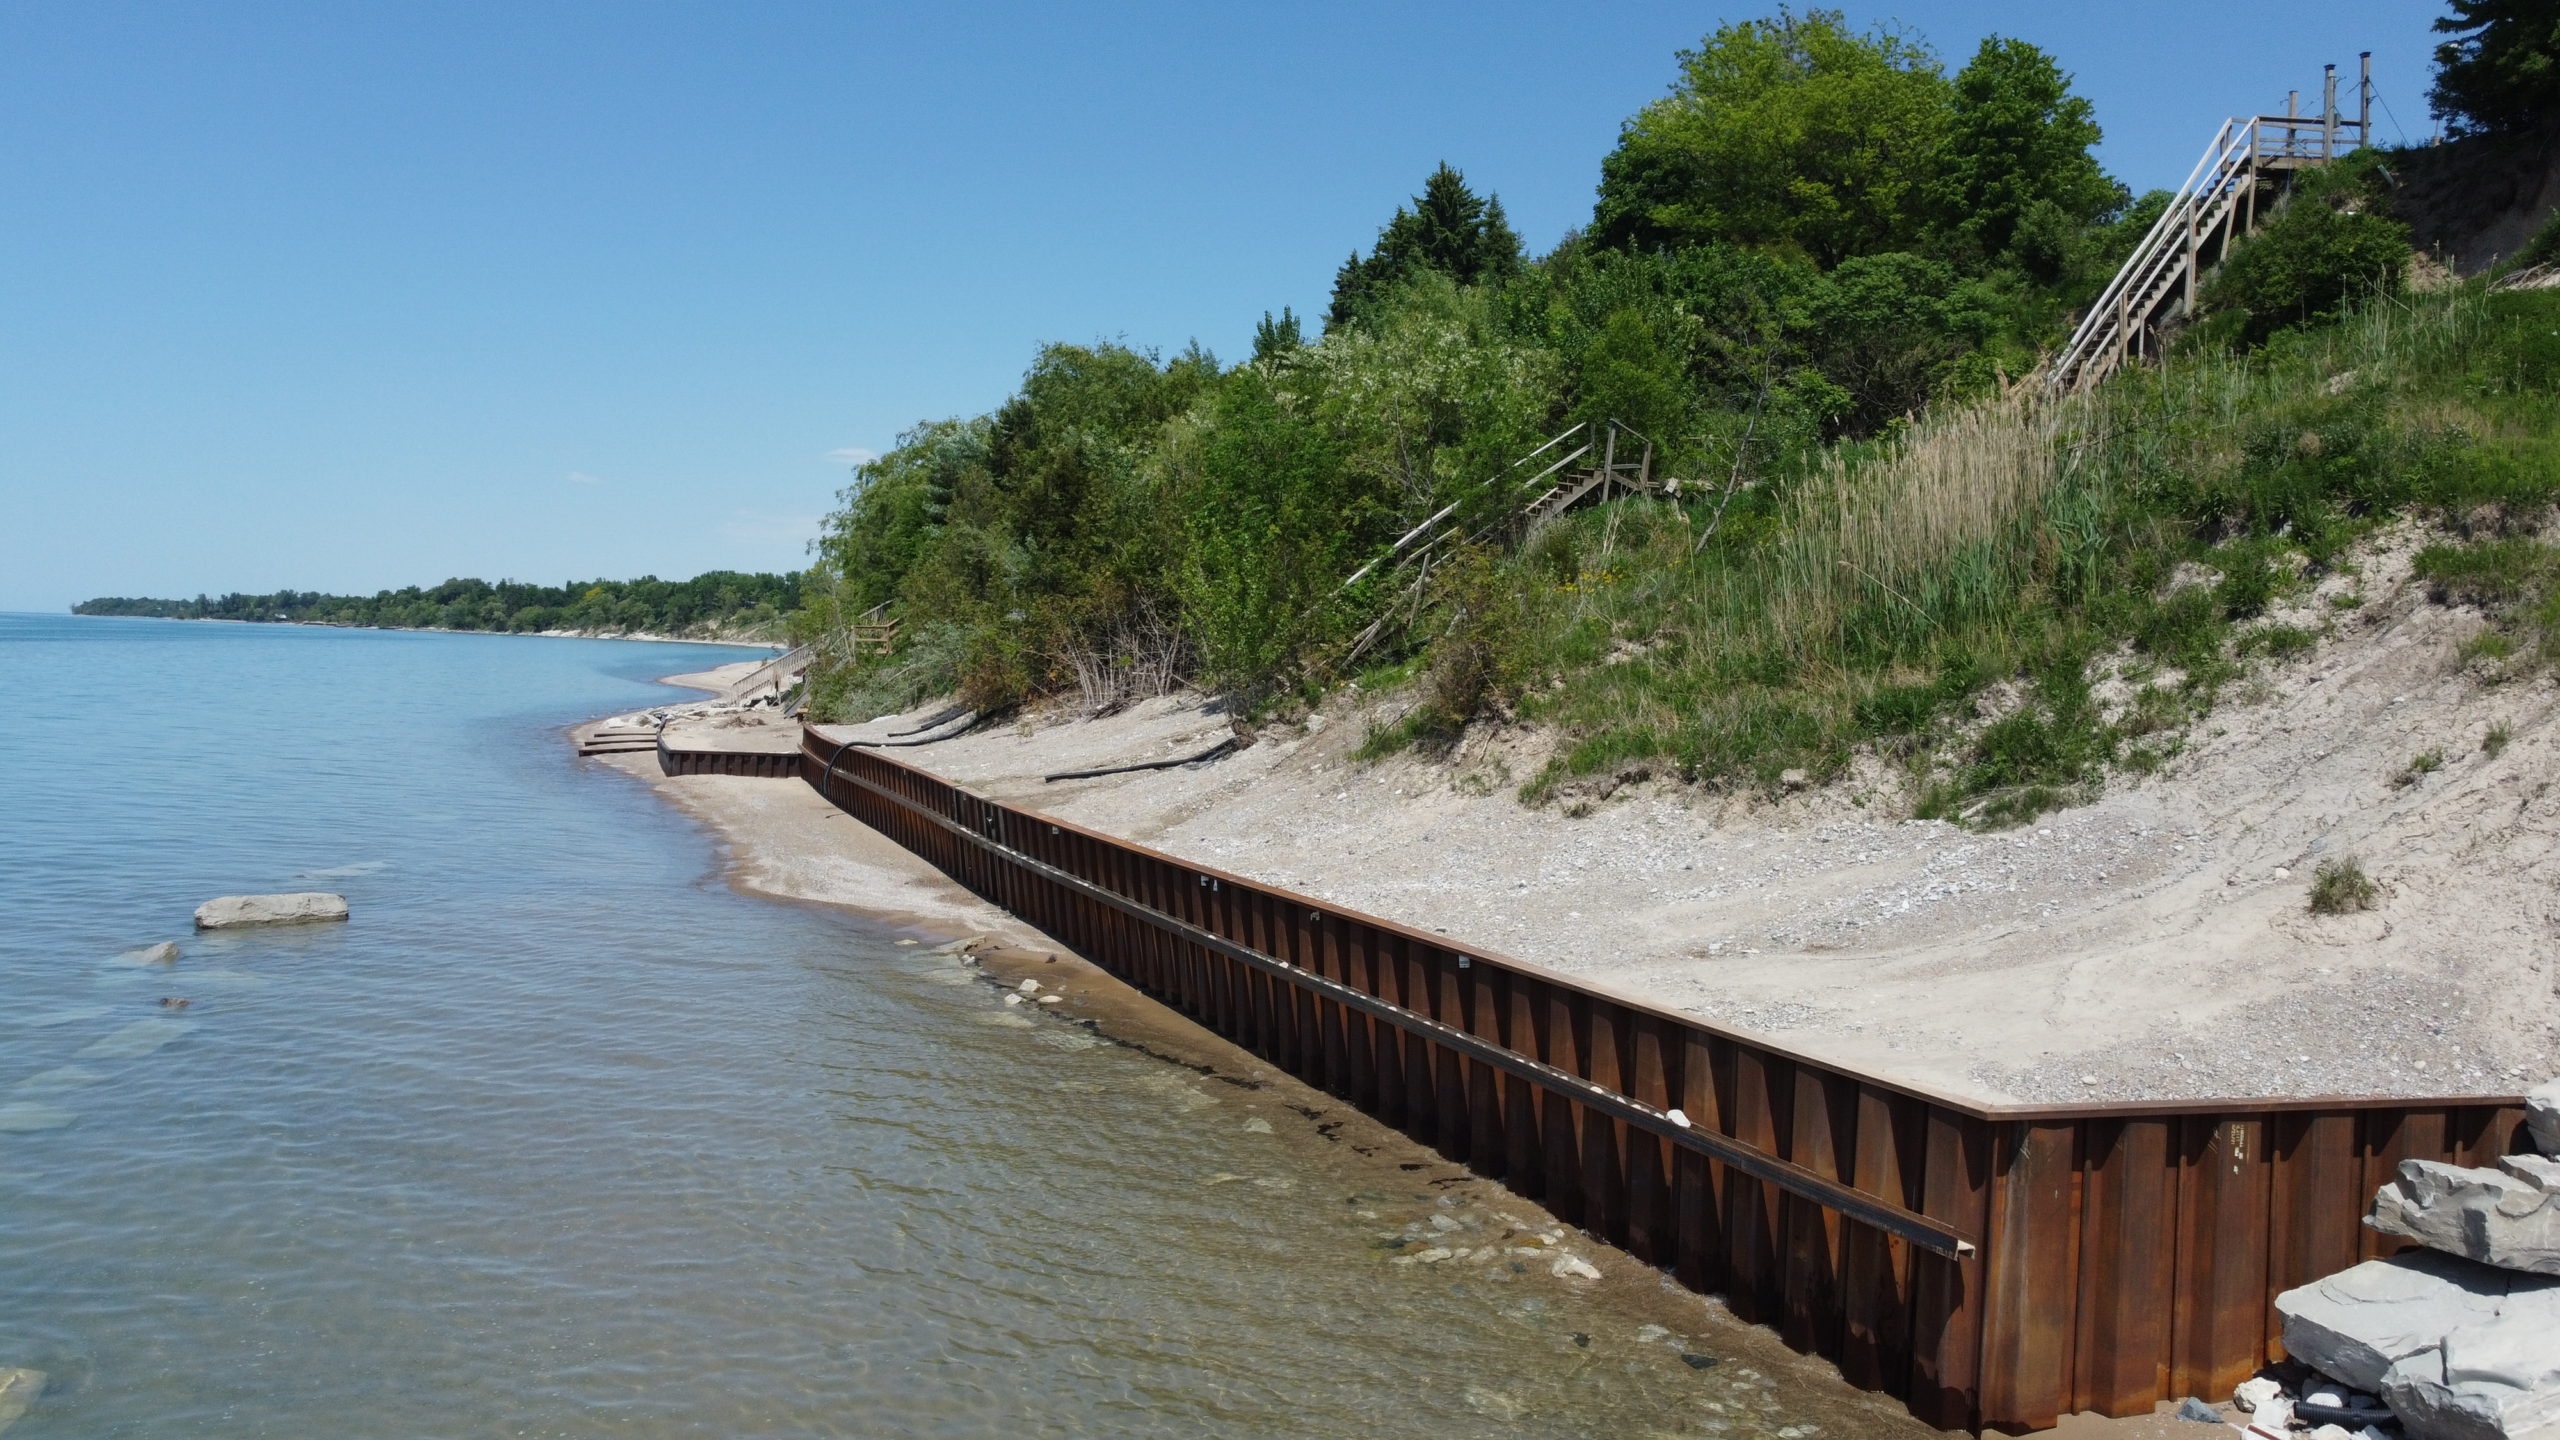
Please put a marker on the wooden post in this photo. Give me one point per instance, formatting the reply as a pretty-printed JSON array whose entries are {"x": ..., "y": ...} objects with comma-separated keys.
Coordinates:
[
  {"x": 2254, "y": 162},
  {"x": 2364, "y": 98},
  {"x": 2328, "y": 113},
  {"x": 2194, "y": 239}
]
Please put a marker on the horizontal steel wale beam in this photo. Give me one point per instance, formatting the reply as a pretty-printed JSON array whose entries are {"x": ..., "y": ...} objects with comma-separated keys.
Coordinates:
[{"x": 1920, "y": 1230}]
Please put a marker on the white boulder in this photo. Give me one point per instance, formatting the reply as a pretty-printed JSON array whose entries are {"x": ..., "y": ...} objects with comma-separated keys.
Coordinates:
[
  {"x": 2355, "y": 1325},
  {"x": 2494, "y": 1379},
  {"x": 302, "y": 908},
  {"x": 2508, "y": 1217},
  {"x": 2542, "y": 1116}
]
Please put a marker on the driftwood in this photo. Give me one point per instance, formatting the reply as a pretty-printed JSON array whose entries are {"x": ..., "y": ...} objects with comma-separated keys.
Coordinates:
[
  {"x": 959, "y": 725},
  {"x": 1212, "y": 753},
  {"x": 940, "y": 718}
]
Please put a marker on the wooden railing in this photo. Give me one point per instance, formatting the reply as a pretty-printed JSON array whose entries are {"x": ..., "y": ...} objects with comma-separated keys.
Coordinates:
[
  {"x": 1991, "y": 1265},
  {"x": 2218, "y": 203}
]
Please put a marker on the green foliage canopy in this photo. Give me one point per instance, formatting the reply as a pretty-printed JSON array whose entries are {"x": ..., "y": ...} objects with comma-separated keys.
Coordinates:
[
  {"x": 2500, "y": 74},
  {"x": 1450, "y": 231},
  {"x": 1792, "y": 132},
  {"x": 2016, "y": 158}
]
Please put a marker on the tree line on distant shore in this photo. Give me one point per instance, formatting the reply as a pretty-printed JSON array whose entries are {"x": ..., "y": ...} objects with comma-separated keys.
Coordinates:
[{"x": 723, "y": 602}]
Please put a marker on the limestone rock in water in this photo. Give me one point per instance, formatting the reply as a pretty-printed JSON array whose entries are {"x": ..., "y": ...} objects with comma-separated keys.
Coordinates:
[
  {"x": 164, "y": 953},
  {"x": 2508, "y": 1217},
  {"x": 2355, "y": 1325},
  {"x": 302, "y": 908},
  {"x": 18, "y": 1390},
  {"x": 2542, "y": 1116},
  {"x": 2494, "y": 1379},
  {"x": 22, "y": 1115}
]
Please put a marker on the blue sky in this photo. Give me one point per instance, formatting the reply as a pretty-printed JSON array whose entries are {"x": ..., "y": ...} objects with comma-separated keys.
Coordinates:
[{"x": 357, "y": 295}]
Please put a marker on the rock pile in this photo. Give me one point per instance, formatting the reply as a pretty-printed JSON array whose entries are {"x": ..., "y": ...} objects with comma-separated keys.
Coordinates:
[{"x": 2461, "y": 1340}]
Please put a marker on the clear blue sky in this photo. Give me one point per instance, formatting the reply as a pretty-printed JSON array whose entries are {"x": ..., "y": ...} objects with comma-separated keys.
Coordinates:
[{"x": 356, "y": 295}]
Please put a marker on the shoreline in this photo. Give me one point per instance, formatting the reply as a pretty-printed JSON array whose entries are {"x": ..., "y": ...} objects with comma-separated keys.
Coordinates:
[
  {"x": 2136, "y": 948},
  {"x": 2153, "y": 943},
  {"x": 757, "y": 823},
  {"x": 779, "y": 840},
  {"x": 776, "y": 646}
]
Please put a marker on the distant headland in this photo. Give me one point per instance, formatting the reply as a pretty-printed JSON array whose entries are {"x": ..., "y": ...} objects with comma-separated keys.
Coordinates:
[{"x": 715, "y": 605}]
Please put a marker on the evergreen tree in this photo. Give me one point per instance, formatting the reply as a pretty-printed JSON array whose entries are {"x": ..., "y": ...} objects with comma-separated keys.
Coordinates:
[
  {"x": 1277, "y": 339},
  {"x": 1450, "y": 229},
  {"x": 2501, "y": 72}
]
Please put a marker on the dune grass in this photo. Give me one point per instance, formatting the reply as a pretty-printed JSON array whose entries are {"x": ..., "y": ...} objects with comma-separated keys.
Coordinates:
[{"x": 1946, "y": 598}]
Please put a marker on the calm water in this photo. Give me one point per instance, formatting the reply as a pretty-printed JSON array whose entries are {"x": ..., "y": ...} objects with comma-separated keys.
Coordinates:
[{"x": 561, "y": 1137}]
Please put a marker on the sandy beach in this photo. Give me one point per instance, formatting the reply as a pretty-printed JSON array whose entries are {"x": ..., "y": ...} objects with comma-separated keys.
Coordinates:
[{"x": 2154, "y": 944}]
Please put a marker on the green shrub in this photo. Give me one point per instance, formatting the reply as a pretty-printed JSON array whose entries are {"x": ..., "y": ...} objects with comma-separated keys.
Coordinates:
[
  {"x": 2278, "y": 641},
  {"x": 2340, "y": 886},
  {"x": 2420, "y": 766},
  {"x": 2486, "y": 572},
  {"x": 2322, "y": 251}
]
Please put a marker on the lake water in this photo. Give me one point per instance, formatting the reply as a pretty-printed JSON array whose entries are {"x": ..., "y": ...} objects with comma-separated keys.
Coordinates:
[{"x": 562, "y": 1137}]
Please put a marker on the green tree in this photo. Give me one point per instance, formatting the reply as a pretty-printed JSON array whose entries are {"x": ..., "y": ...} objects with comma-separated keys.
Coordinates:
[
  {"x": 1276, "y": 340},
  {"x": 1792, "y": 132},
  {"x": 1449, "y": 231},
  {"x": 2016, "y": 157},
  {"x": 2500, "y": 74},
  {"x": 1269, "y": 538},
  {"x": 1890, "y": 330},
  {"x": 1632, "y": 373}
]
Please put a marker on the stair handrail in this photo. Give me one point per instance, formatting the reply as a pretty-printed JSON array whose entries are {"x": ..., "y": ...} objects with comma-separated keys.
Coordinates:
[
  {"x": 2240, "y": 151},
  {"x": 2082, "y": 347}
]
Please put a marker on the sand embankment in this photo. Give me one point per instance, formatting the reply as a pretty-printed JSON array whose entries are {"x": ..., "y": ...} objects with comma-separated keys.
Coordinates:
[{"x": 2156, "y": 943}]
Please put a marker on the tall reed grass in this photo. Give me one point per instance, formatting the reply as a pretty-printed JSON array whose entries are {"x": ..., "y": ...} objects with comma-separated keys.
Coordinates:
[{"x": 1939, "y": 596}]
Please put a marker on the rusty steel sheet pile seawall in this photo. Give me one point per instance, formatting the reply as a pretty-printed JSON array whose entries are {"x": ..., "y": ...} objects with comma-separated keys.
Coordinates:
[
  {"x": 775, "y": 765},
  {"x": 1992, "y": 1266}
]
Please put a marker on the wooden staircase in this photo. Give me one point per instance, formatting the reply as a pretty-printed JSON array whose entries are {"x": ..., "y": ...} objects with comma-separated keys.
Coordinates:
[
  {"x": 876, "y": 632},
  {"x": 1611, "y": 476},
  {"x": 2218, "y": 204}
]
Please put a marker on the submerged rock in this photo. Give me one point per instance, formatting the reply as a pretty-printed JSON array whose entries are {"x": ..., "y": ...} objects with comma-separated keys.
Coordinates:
[
  {"x": 57, "y": 1080},
  {"x": 164, "y": 953},
  {"x": 19, "y": 1388},
  {"x": 2508, "y": 1217},
  {"x": 134, "y": 1041},
  {"x": 305, "y": 907},
  {"x": 23, "y": 1115}
]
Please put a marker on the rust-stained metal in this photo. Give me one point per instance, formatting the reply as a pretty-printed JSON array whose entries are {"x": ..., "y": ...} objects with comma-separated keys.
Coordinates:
[
  {"x": 764, "y": 764},
  {"x": 1993, "y": 1266}
]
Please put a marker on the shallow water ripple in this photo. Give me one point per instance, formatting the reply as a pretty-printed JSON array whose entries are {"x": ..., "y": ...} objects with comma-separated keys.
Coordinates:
[{"x": 560, "y": 1137}]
